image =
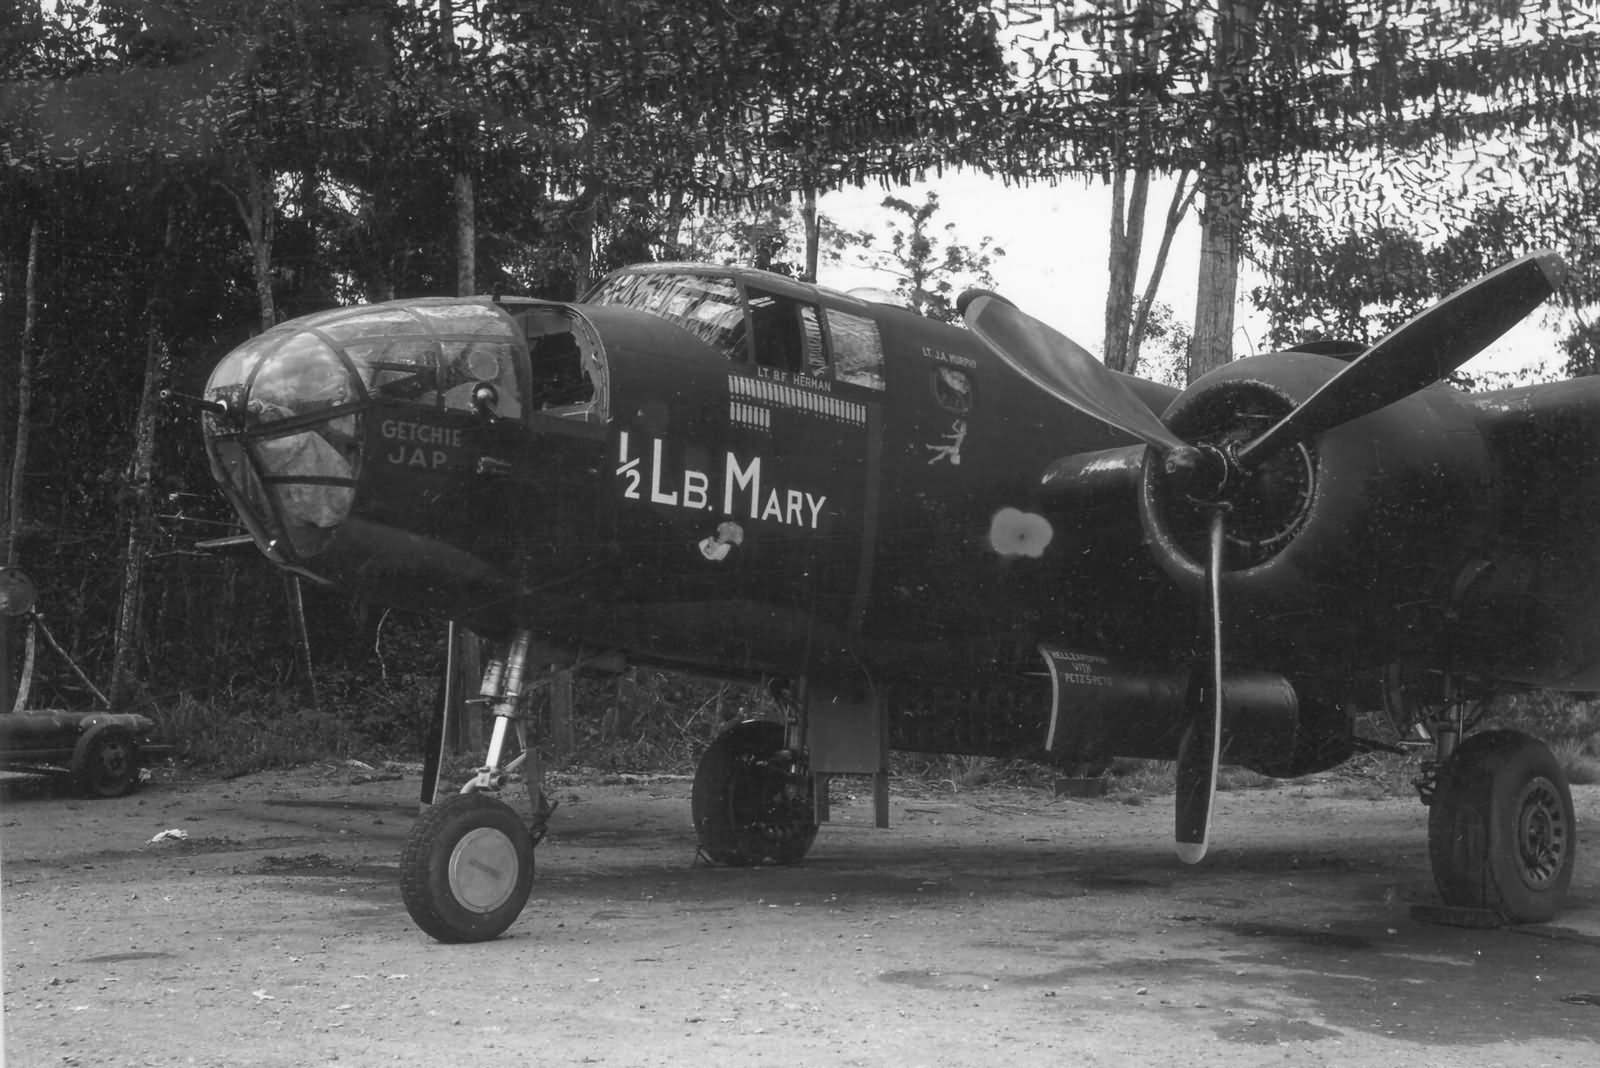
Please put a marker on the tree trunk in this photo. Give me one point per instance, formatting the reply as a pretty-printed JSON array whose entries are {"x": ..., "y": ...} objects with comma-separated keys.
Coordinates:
[
  {"x": 583, "y": 224},
  {"x": 466, "y": 228},
  {"x": 1226, "y": 187},
  {"x": 466, "y": 231},
  {"x": 808, "y": 215},
  {"x": 1142, "y": 54},
  {"x": 1182, "y": 197},
  {"x": 19, "y": 451},
  {"x": 1127, "y": 238},
  {"x": 1221, "y": 247},
  {"x": 140, "y": 512},
  {"x": 257, "y": 207}
]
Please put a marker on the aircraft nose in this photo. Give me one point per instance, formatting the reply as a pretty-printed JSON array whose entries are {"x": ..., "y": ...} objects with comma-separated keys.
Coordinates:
[{"x": 287, "y": 449}]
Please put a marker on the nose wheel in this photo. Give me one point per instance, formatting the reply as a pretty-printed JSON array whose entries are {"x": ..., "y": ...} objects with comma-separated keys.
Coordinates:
[{"x": 467, "y": 868}]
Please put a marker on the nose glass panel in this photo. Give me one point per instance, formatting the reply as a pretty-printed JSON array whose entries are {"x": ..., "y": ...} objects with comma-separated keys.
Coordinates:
[{"x": 290, "y": 448}]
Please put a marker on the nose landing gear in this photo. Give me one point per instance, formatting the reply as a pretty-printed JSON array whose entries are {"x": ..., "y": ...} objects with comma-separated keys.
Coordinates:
[{"x": 467, "y": 868}]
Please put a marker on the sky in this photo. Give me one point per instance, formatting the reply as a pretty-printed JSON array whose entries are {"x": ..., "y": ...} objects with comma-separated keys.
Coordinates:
[{"x": 1055, "y": 240}]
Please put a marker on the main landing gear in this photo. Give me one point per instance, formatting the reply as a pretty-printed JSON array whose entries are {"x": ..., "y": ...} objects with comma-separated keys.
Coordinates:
[
  {"x": 753, "y": 798},
  {"x": 467, "y": 867},
  {"x": 1502, "y": 836}
]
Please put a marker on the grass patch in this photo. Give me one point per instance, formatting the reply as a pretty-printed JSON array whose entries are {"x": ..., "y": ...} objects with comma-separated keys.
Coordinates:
[
  {"x": 1578, "y": 760},
  {"x": 1159, "y": 777},
  {"x": 245, "y": 730},
  {"x": 957, "y": 772},
  {"x": 653, "y": 722},
  {"x": 1568, "y": 724}
]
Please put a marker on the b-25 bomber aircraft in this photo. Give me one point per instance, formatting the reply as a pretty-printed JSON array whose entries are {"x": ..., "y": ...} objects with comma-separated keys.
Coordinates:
[{"x": 929, "y": 537}]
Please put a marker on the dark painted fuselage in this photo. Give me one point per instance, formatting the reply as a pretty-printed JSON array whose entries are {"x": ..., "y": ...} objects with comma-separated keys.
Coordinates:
[{"x": 726, "y": 471}]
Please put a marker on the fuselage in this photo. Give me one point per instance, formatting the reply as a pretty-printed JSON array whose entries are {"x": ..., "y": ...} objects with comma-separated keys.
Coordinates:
[{"x": 727, "y": 471}]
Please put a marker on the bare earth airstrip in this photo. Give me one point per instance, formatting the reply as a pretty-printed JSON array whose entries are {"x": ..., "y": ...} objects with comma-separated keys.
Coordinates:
[{"x": 996, "y": 927}]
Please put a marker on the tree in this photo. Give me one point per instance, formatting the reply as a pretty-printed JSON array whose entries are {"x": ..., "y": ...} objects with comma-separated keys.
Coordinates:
[
  {"x": 1141, "y": 65},
  {"x": 1259, "y": 95},
  {"x": 929, "y": 267},
  {"x": 295, "y": 152},
  {"x": 1456, "y": 215}
]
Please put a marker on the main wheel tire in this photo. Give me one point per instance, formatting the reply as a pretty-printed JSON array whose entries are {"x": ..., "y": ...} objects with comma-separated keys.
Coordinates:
[
  {"x": 105, "y": 761},
  {"x": 747, "y": 808},
  {"x": 467, "y": 868},
  {"x": 1502, "y": 835}
]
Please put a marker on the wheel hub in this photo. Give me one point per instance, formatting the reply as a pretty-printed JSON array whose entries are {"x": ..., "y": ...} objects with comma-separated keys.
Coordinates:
[
  {"x": 483, "y": 870},
  {"x": 113, "y": 760},
  {"x": 764, "y": 804},
  {"x": 1267, "y": 503},
  {"x": 1542, "y": 833}
]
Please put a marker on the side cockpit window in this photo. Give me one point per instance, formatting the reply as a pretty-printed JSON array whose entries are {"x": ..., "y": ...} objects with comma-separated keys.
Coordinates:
[
  {"x": 857, "y": 349},
  {"x": 774, "y": 328},
  {"x": 567, "y": 372},
  {"x": 777, "y": 334}
]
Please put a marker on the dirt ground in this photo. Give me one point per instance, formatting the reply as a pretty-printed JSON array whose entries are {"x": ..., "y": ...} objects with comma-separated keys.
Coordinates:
[{"x": 1001, "y": 926}]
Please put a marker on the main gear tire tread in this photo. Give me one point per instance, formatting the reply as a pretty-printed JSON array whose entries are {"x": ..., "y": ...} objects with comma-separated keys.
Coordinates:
[{"x": 1502, "y": 834}]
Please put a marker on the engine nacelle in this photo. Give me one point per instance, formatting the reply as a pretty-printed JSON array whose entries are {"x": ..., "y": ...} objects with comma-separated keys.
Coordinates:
[{"x": 1354, "y": 537}]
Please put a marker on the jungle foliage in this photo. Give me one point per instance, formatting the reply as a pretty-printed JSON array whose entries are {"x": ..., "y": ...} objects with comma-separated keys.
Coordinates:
[{"x": 176, "y": 175}]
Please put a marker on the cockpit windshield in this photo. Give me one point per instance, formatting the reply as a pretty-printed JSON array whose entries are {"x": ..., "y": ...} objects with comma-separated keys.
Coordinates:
[{"x": 706, "y": 305}]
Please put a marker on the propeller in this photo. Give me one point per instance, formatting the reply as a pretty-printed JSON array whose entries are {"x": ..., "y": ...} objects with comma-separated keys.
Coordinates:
[
  {"x": 1423, "y": 351},
  {"x": 1200, "y": 752},
  {"x": 1430, "y": 345},
  {"x": 1067, "y": 371}
]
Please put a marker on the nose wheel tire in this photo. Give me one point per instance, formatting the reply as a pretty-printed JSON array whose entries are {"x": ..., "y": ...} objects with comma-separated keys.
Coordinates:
[
  {"x": 748, "y": 803},
  {"x": 1502, "y": 835},
  {"x": 105, "y": 762},
  {"x": 467, "y": 868}
]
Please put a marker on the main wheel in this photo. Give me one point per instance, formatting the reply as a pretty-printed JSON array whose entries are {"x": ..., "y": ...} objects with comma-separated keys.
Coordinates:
[
  {"x": 467, "y": 868},
  {"x": 1501, "y": 832},
  {"x": 105, "y": 761},
  {"x": 748, "y": 804}
]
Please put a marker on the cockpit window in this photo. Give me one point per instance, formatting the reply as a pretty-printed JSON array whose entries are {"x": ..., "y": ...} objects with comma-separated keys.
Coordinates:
[
  {"x": 776, "y": 332},
  {"x": 568, "y": 374},
  {"x": 708, "y": 306},
  {"x": 857, "y": 349}
]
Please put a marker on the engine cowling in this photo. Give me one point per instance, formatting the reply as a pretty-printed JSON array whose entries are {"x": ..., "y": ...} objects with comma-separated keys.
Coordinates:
[{"x": 1353, "y": 536}]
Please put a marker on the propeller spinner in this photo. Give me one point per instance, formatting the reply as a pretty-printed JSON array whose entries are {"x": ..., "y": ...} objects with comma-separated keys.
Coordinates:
[{"x": 1217, "y": 476}]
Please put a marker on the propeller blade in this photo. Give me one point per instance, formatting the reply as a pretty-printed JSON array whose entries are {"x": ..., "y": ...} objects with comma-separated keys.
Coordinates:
[
  {"x": 1201, "y": 750},
  {"x": 1065, "y": 370},
  {"x": 1424, "y": 350}
]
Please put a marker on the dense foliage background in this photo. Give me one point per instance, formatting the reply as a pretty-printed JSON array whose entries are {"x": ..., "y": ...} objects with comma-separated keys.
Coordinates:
[{"x": 177, "y": 174}]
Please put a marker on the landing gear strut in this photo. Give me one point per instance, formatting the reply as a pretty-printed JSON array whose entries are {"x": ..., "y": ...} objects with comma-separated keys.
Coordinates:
[{"x": 467, "y": 868}]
